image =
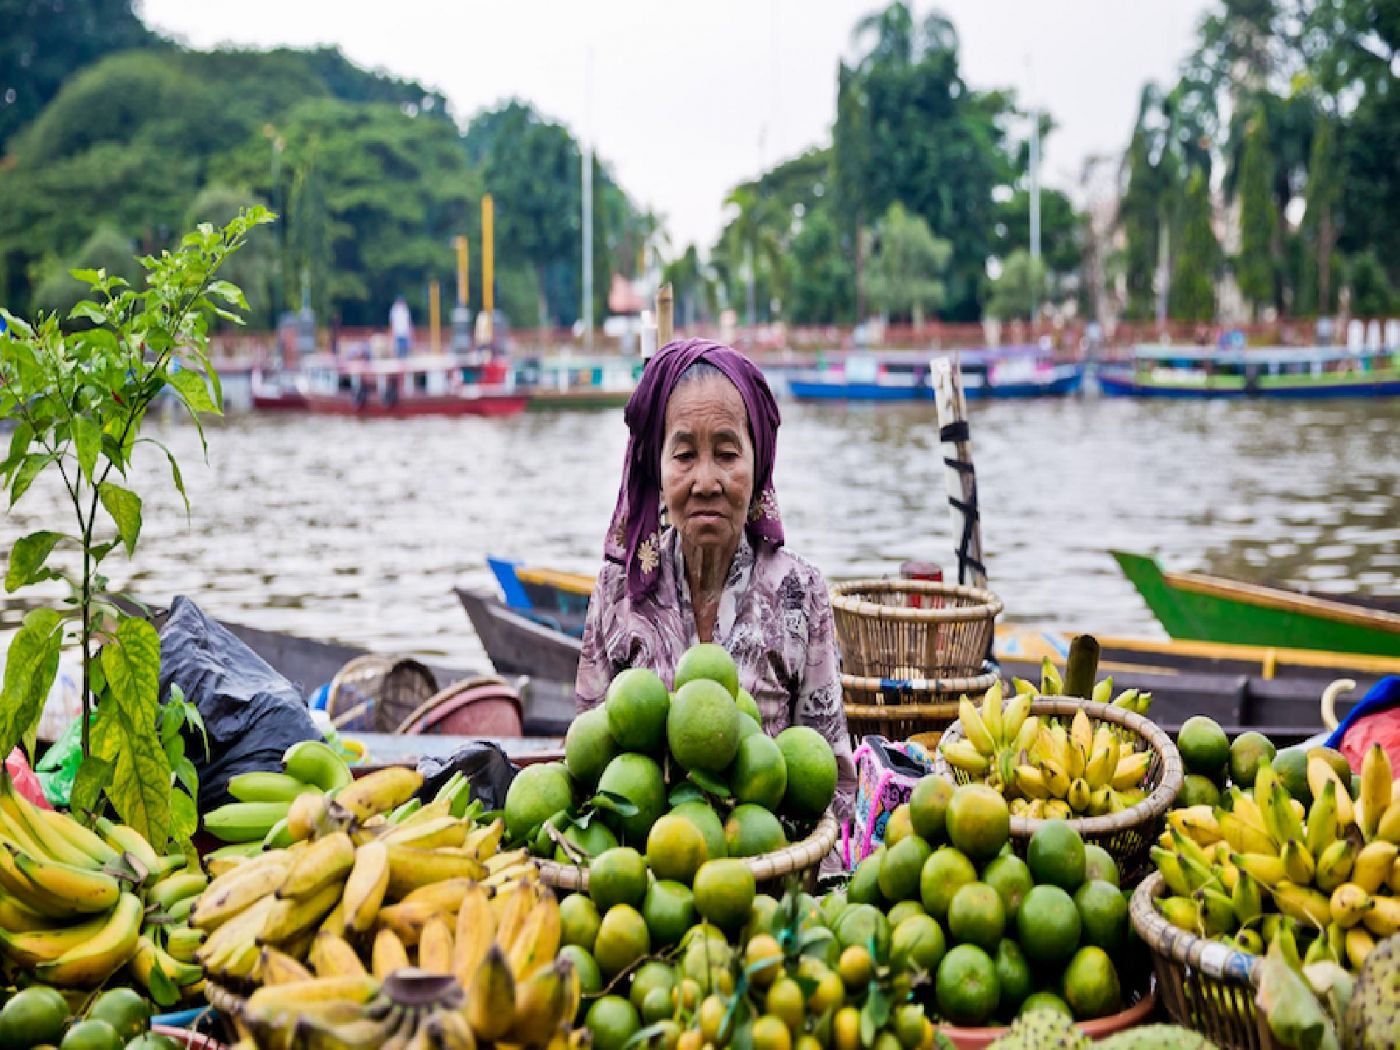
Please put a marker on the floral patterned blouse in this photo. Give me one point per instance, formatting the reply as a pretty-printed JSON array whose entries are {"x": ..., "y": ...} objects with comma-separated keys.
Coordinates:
[{"x": 774, "y": 619}]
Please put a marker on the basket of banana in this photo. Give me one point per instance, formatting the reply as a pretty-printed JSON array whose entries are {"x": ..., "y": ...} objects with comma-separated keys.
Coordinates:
[
  {"x": 913, "y": 629},
  {"x": 1264, "y": 873},
  {"x": 1104, "y": 767}
]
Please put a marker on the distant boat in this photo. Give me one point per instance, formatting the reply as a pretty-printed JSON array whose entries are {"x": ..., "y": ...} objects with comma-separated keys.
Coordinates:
[
  {"x": 568, "y": 381},
  {"x": 277, "y": 392},
  {"x": 1011, "y": 372},
  {"x": 1285, "y": 372},
  {"x": 1211, "y": 609},
  {"x": 402, "y": 387}
]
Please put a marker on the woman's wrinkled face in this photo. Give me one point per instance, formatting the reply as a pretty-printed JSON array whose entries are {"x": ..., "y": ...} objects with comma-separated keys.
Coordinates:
[{"x": 707, "y": 463}]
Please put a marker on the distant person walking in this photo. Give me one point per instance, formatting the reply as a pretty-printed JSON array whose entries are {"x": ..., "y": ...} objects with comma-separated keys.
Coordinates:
[{"x": 401, "y": 327}]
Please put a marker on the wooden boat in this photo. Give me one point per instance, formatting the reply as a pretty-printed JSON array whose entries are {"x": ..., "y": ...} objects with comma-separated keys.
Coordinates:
[
  {"x": 1195, "y": 372},
  {"x": 1274, "y": 691},
  {"x": 1010, "y": 372},
  {"x": 565, "y": 381},
  {"x": 1213, "y": 609},
  {"x": 277, "y": 392},
  {"x": 402, "y": 387}
]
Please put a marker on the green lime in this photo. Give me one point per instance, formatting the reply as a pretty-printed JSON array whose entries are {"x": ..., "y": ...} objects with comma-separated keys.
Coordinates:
[
  {"x": 708, "y": 661},
  {"x": 703, "y": 726},
  {"x": 1056, "y": 855},
  {"x": 751, "y": 830},
  {"x": 1205, "y": 749},
  {"x": 1099, "y": 864},
  {"x": 669, "y": 910},
  {"x": 864, "y": 887},
  {"x": 649, "y": 976},
  {"x": 592, "y": 840},
  {"x": 707, "y": 821},
  {"x": 613, "y": 1021},
  {"x": 1103, "y": 915},
  {"x": 811, "y": 771},
  {"x": 1048, "y": 925},
  {"x": 902, "y": 867},
  {"x": 945, "y": 872},
  {"x": 622, "y": 940},
  {"x": 33, "y": 1015},
  {"x": 966, "y": 986},
  {"x": 675, "y": 848},
  {"x": 1044, "y": 1001},
  {"x": 748, "y": 706},
  {"x": 637, "y": 706},
  {"x": 861, "y": 925},
  {"x": 1013, "y": 976},
  {"x": 636, "y": 778},
  {"x": 1291, "y": 765},
  {"x": 590, "y": 978},
  {"x": 579, "y": 920},
  {"x": 898, "y": 824},
  {"x": 928, "y": 808},
  {"x": 1248, "y": 752},
  {"x": 977, "y": 916},
  {"x": 917, "y": 944},
  {"x": 759, "y": 773},
  {"x": 978, "y": 821},
  {"x": 536, "y": 794},
  {"x": 589, "y": 746},
  {"x": 1011, "y": 877},
  {"x": 904, "y": 910},
  {"x": 91, "y": 1035},
  {"x": 1197, "y": 790},
  {"x": 657, "y": 1006},
  {"x": 127, "y": 1011},
  {"x": 1091, "y": 984},
  {"x": 618, "y": 876},
  {"x": 724, "y": 892}
]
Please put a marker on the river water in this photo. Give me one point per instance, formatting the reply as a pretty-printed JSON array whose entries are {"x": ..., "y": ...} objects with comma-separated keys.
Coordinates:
[{"x": 356, "y": 531}]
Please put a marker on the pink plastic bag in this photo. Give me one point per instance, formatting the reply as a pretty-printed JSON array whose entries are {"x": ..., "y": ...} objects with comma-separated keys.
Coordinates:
[
  {"x": 1382, "y": 727},
  {"x": 26, "y": 783}
]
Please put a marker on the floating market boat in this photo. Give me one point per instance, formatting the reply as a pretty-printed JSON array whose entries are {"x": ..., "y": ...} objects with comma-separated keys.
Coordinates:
[
  {"x": 401, "y": 387},
  {"x": 1212, "y": 609},
  {"x": 1194, "y": 372},
  {"x": 1010, "y": 372},
  {"x": 566, "y": 381},
  {"x": 277, "y": 392}
]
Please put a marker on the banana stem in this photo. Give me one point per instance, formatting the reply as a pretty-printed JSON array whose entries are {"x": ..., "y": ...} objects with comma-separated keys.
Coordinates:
[{"x": 1081, "y": 666}]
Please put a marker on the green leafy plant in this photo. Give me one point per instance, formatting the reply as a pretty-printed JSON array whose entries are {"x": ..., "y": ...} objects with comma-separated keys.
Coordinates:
[{"x": 77, "y": 398}]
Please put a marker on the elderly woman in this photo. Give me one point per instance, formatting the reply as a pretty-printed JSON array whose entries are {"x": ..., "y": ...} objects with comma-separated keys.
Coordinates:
[{"x": 695, "y": 551}]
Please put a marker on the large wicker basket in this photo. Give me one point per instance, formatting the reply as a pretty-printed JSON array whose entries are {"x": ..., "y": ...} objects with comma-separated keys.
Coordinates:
[
  {"x": 897, "y": 710},
  {"x": 1204, "y": 985},
  {"x": 375, "y": 693},
  {"x": 909, "y": 630},
  {"x": 1127, "y": 836},
  {"x": 769, "y": 869}
]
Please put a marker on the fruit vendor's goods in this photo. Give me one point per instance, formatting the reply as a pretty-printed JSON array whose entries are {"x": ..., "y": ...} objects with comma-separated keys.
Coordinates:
[
  {"x": 1318, "y": 875},
  {"x": 1049, "y": 767},
  {"x": 650, "y": 758},
  {"x": 1048, "y": 1029},
  {"x": 39, "y": 1016},
  {"x": 264, "y": 798}
]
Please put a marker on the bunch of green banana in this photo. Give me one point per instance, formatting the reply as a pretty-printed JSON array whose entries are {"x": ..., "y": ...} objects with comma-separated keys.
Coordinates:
[
  {"x": 1328, "y": 875},
  {"x": 1045, "y": 768},
  {"x": 264, "y": 797}
]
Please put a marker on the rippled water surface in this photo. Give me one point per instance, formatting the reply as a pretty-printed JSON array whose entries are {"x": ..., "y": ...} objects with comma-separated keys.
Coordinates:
[{"x": 356, "y": 531}]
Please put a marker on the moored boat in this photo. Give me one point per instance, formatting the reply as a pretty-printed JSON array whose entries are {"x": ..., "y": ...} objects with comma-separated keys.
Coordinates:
[
  {"x": 277, "y": 392},
  {"x": 422, "y": 385},
  {"x": 1280, "y": 372},
  {"x": 1007, "y": 372},
  {"x": 566, "y": 381}
]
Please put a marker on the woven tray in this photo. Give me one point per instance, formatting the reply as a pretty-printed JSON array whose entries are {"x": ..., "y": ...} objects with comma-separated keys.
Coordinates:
[
  {"x": 913, "y": 629},
  {"x": 1205, "y": 985},
  {"x": 897, "y": 709},
  {"x": 1136, "y": 1013},
  {"x": 1128, "y": 836},
  {"x": 804, "y": 857}
]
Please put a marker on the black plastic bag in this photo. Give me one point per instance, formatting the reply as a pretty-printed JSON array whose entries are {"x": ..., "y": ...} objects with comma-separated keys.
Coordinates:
[
  {"x": 251, "y": 713},
  {"x": 485, "y": 766}
]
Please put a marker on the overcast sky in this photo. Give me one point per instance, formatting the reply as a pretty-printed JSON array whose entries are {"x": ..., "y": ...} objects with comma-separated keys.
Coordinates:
[{"x": 685, "y": 99}]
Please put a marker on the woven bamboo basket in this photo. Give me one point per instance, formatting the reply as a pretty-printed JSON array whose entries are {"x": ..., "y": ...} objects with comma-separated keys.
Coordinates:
[
  {"x": 913, "y": 629},
  {"x": 375, "y": 693},
  {"x": 898, "y": 710},
  {"x": 1204, "y": 985},
  {"x": 1128, "y": 836},
  {"x": 1139, "y": 1010},
  {"x": 769, "y": 869}
]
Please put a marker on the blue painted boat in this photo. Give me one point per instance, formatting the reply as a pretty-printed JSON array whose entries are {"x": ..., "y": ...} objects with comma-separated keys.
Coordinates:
[
  {"x": 1277, "y": 372},
  {"x": 1009, "y": 372}
]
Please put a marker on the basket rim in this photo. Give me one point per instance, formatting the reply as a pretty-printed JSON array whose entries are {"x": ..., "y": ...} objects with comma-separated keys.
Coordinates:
[
  {"x": 980, "y": 683},
  {"x": 795, "y": 857},
  {"x": 1210, "y": 956},
  {"x": 1153, "y": 806},
  {"x": 985, "y": 604}
]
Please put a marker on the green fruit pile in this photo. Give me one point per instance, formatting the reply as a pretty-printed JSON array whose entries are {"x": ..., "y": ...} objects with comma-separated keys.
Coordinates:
[
  {"x": 997, "y": 935},
  {"x": 39, "y": 1016},
  {"x": 697, "y": 755}
]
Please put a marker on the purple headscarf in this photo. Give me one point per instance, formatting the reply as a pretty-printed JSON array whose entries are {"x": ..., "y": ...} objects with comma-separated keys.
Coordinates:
[{"x": 634, "y": 536}]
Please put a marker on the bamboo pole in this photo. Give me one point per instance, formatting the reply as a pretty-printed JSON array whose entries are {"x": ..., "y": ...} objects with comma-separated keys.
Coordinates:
[
  {"x": 665, "y": 315},
  {"x": 959, "y": 475}
]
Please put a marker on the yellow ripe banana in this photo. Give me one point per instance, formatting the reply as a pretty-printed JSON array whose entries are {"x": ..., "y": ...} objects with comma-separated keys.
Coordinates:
[
  {"x": 1349, "y": 902},
  {"x": 332, "y": 956},
  {"x": 13, "y": 830},
  {"x": 974, "y": 729},
  {"x": 1289, "y": 819},
  {"x": 407, "y": 920},
  {"x": 1078, "y": 794},
  {"x": 92, "y": 962},
  {"x": 1051, "y": 684},
  {"x": 30, "y": 948},
  {"x": 1246, "y": 899},
  {"x": 1303, "y": 904},
  {"x": 1130, "y": 770},
  {"x": 1081, "y": 731},
  {"x": 1077, "y": 760},
  {"x": 126, "y": 839},
  {"x": 1103, "y": 758},
  {"x": 1182, "y": 912},
  {"x": 448, "y": 1030},
  {"x": 435, "y": 946},
  {"x": 1322, "y": 820},
  {"x": 1197, "y": 823},
  {"x": 1335, "y": 864},
  {"x": 365, "y": 886},
  {"x": 540, "y": 1005},
  {"x": 1373, "y": 863},
  {"x": 291, "y": 916},
  {"x": 334, "y": 922},
  {"x": 388, "y": 954},
  {"x": 475, "y": 933},
  {"x": 18, "y": 917},
  {"x": 83, "y": 843},
  {"x": 1319, "y": 774},
  {"x": 430, "y": 834},
  {"x": 446, "y": 896},
  {"x": 1298, "y": 863},
  {"x": 1021, "y": 687},
  {"x": 277, "y": 967},
  {"x": 379, "y": 792},
  {"x": 1169, "y": 864},
  {"x": 1383, "y": 919},
  {"x": 1264, "y": 868},
  {"x": 271, "y": 1004},
  {"x": 411, "y": 868},
  {"x": 537, "y": 942},
  {"x": 278, "y": 858},
  {"x": 1392, "y": 881},
  {"x": 1388, "y": 827},
  {"x": 512, "y": 904},
  {"x": 1242, "y": 836},
  {"x": 306, "y": 815},
  {"x": 243, "y": 928},
  {"x": 1032, "y": 782},
  {"x": 1359, "y": 944},
  {"x": 960, "y": 754},
  {"x": 1376, "y": 779},
  {"x": 483, "y": 842},
  {"x": 317, "y": 865},
  {"x": 1013, "y": 717},
  {"x": 490, "y": 1005},
  {"x": 1057, "y": 809},
  {"x": 83, "y": 889},
  {"x": 991, "y": 713},
  {"x": 222, "y": 900},
  {"x": 1057, "y": 778},
  {"x": 1025, "y": 738}
]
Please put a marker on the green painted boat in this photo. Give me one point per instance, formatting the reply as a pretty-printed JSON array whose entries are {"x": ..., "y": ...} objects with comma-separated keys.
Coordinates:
[{"x": 1212, "y": 609}]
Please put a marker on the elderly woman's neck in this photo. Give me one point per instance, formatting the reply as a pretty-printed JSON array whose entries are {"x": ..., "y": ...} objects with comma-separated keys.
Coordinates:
[{"x": 706, "y": 569}]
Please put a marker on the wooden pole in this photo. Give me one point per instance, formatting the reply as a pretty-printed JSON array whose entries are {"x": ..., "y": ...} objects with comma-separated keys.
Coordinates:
[
  {"x": 463, "y": 262},
  {"x": 961, "y": 479},
  {"x": 665, "y": 315},
  {"x": 435, "y": 316},
  {"x": 488, "y": 262}
]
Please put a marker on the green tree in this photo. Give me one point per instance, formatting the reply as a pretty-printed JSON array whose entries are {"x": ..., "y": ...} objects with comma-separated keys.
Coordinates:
[
  {"x": 59, "y": 291},
  {"x": 1255, "y": 268},
  {"x": 823, "y": 287},
  {"x": 907, "y": 267},
  {"x": 690, "y": 285},
  {"x": 1372, "y": 294},
  {"x": 1020, "y": 284},
  {"x": 1324, "y": 190},
  {"x": 1197, "y": 260}
]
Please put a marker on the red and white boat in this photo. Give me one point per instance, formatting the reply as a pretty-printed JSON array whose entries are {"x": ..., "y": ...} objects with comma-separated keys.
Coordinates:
[
  {"x": 277, "y": 392},
  {"x": 400, "y": 387}
]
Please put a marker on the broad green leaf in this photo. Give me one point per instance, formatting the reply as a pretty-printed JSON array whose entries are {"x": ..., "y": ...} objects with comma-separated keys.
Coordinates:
[
  {"x": 140, "y": 788},
  {"x": 86, "y": 276},
  {"x": 229, "y": 293},
  {"x": 87, "y": 439},
  {"x": 88, "y": 311},
  {"x": 193, "y": 390},
  {"x": 27, "y": 557},
  {"x": 125, "y": 508},
  {"x": 184, "y": 816},
  {"x": 186, "y": 775},
  {"x": 29, "y": 469},
  {"x": 94, "y": 774},
  {"x": 30, "y": 667},
  {"x": 20, "y": 441}
]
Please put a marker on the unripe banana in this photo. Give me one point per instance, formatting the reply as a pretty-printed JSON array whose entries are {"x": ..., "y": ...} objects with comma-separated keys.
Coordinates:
[
  {"x": 316, "y": 763},
  {"x": 1169, "y": 864},
  {"x": 1103, "y": 691},
  {"x": 1335, "y": 864},
  {"x": 1246, "y": 898},
  {"x": 244, "y": 821},
  {"x": 1322, "y": 820},
  {"x": 176, "y": 888},
  {"x": 1182, "y": 912},
  {"x": 1217, "y": 912},
  {"x": 1051, "y": 684},
  {"x": 266, "y": 786}
]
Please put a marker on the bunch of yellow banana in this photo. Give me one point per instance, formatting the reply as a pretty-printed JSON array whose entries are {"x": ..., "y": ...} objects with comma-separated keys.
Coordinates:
[
  {"x": 1331, "y": 872},
  {"x": 1045, "y": 768}
]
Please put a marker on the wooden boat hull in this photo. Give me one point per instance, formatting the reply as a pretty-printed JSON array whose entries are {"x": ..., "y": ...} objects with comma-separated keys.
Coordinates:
[
  {"x": 288, "y": 401},
  {"x": 809, "y": 390},
  {"x": 408, "y": 408},
  {"x": 577, "y": 400},
  {"x": 1066, "y": 380},
  {"x": 1206, "y": 608},
  {"x": 1114, "y": 383}
]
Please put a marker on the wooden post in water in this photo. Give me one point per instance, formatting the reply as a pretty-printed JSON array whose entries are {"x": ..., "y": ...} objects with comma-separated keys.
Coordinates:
[
  {"x": 435, "y": 316},
  {"x": 665, "y": 315},
  {"x": 488, "y": 265},
  {"x": 960, "y": 477}
]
